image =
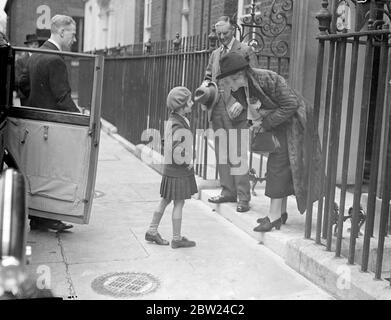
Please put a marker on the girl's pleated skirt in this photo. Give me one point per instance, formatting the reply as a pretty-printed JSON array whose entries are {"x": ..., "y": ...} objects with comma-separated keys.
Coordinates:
[{"x": 178, "y": 188}]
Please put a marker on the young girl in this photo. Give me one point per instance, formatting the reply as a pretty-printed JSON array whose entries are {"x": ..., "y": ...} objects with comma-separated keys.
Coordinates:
[{"x": 178, "y": 181}]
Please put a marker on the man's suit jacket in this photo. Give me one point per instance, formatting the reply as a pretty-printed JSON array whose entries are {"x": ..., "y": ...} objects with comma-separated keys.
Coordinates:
[
  {"x": 213, "y": 68},
  {"x": 49, "y": 83},
  {"x": 22, "y": 83}
]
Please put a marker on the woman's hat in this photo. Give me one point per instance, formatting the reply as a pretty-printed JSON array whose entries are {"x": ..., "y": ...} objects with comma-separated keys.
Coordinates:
[
  {"x": 177, "y": 98},
  {"x": 231, "y": 63},
  {"x": 207, "y": 95},
  {"x": 31, "y": 38}
]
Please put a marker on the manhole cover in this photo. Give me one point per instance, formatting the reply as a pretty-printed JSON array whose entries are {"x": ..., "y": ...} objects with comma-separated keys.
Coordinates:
[
  {"x": 122, "y": 284},
  {"x": 98, "y": 194}
]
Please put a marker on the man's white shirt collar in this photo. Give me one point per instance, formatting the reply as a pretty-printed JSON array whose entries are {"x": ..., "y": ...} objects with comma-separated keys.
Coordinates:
[
  {"x": 55, "y": 43},
  {"x": 229, "y": 47}
]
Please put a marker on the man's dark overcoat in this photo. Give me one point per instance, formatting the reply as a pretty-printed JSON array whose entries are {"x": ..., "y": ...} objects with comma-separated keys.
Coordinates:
[{"x": 49, "y": 84}]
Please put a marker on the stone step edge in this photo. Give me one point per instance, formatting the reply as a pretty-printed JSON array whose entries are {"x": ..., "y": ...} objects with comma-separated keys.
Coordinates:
[{"x": 312, "y": 261}]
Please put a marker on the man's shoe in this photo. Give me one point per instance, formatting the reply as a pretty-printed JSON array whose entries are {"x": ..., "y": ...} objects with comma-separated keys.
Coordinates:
[
  {"x": 243, "y": 207},
  {"x": 36, "y": 224},
  {"x": 222, "y": 199},
  {"x": 44, "y": 224},
  {"x": 57, "y": 225},
  {"x": 183, "y": 243},
  {"x": 156, "y": 238}
]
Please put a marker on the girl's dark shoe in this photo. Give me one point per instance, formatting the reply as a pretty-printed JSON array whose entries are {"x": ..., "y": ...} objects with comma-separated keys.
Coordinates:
[
  {"x": 265, "y": 225},
  {"x": 156, "y": 238},
  {"x": 183, "y": 243}
]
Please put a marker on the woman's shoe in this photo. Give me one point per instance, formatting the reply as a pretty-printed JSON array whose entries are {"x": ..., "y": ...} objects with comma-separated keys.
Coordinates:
[
  {"x": 265, "y": 225},
  {"x": 261, "y": 220},
  {"x": 156, "y": 238},
  {"x": 284, "y": 217}
]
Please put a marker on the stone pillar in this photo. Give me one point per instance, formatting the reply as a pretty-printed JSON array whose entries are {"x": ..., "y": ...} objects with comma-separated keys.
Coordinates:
[{"x": 298, "y": 44}]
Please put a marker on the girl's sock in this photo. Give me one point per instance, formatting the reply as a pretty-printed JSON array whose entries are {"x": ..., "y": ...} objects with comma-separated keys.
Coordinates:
[
  {"x": 157, "y": 216},
  {"x": 176, "y": 229}
]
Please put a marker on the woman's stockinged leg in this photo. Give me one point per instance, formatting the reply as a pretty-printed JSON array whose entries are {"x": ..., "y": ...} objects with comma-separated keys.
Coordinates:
[
  {"x": 284, "y": 205},
  {"x": 177, "y": 219},
  {"x": 276, "y": 205}
]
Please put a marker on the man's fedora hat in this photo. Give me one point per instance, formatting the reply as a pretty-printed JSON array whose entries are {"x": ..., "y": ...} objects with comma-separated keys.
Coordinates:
[
  {"x": 231, "y": 63},
  {"x": 31, "y": 38},
  {"x": 43, "y": 34},
  {"x": 207, "y": 95}
]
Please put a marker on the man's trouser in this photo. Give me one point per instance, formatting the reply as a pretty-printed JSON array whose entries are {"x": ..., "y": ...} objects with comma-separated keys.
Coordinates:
[{"x": 235, "y": 185}]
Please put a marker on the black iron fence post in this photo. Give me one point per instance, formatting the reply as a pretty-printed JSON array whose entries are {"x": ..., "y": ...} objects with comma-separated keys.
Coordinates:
[{"x": 324, "y": 17}]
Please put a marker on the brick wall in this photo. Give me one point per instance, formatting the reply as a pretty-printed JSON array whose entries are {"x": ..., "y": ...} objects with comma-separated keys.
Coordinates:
[{"x": 23, "y": 15}]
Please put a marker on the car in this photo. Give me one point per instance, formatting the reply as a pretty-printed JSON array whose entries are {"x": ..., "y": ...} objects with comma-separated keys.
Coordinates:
[{"x": 53, "y": 153}]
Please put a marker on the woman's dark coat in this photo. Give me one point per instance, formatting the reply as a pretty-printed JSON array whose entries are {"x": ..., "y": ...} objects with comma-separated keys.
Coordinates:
[{"x": 274, "y": 93}]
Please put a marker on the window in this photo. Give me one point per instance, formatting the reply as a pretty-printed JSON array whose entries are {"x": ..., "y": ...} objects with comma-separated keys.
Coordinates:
[
  {"x": 244, "y": 7},
  {"x": 148, "y": 13},
  {"x": 185, "y": 18},
  {"x": 147, "y": 19}
]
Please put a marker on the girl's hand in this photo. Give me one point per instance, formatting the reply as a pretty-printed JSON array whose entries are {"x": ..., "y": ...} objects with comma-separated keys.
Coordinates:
[
  {"x": 257, "y": 127},
  {"x": 190, "y": 166}
]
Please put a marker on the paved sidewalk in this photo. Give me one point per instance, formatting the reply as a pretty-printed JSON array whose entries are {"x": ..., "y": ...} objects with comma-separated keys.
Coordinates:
[
  {"x": 307, "y": 258},
  {"x": 226, "y": 263}
]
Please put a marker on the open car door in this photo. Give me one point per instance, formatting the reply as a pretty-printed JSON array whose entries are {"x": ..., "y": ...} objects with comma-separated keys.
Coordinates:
[{"x": 57, "y": 151}]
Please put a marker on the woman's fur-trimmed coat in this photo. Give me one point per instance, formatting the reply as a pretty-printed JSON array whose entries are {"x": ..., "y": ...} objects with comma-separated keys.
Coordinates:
[{"x": 274, "y": 93}]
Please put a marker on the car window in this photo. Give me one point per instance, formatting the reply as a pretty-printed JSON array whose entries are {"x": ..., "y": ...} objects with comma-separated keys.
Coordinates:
[{"x": 51, "y": 81}]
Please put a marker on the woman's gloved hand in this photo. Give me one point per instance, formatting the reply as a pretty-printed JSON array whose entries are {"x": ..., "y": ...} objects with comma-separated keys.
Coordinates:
[{"x": 235, "y": 110}]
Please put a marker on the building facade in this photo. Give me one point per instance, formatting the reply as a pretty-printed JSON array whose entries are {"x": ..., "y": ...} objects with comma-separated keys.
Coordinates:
[
  {"x": 28, "y": 16},
  {"x": 109, "y": 23},
  {"x": 112, "y": 23}
]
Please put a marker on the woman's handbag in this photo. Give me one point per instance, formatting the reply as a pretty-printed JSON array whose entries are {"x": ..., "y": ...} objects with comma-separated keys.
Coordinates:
[{"x": 264, "y": 142}]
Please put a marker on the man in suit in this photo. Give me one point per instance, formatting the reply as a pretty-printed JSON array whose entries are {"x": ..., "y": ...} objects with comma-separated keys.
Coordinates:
[
  {"x": 48, "y": 73},
  {"x": 22, "y": 83},
  {"x": 230, "y": 112},
  {"x": 50, "y": 87}
]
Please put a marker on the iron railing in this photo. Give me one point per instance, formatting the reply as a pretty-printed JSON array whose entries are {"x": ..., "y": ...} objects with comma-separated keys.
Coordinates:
[
  {"x": 352, "y": 79},
  {"x": 135, "y": 88}
]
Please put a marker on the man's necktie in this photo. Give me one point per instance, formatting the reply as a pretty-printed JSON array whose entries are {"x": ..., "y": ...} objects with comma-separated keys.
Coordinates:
[{"x": 225, "y": 50}]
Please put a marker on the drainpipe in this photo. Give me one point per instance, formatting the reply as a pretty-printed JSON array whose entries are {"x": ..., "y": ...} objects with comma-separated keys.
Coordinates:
[
  {"x": 164, "y": 20},
  {"x": 209, "y": 14},
  {"x": 202, "y": 17}
]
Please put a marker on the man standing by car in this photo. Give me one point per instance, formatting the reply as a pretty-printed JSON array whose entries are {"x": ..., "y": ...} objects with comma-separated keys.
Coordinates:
[
  {"x": 230, "y": 114},
  {"x": 50, "y": 87},
  {"x": 48, "y": 73}
]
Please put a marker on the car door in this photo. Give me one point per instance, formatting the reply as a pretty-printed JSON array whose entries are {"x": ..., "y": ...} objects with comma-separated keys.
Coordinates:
[{"x": 57, "y": 151}]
